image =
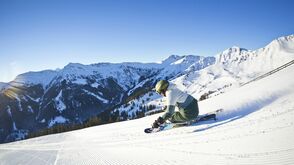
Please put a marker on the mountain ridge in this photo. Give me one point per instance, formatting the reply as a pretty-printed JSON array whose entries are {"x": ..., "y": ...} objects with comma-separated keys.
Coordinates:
[{"x": 77, "y": 92}]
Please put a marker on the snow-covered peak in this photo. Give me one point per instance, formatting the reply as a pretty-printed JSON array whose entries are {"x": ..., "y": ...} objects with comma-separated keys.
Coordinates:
[
  {"x": 183, "y": 64},
  {"x": 41, "y": 77},
  {"x": 273, "y": 55},
  {"x": 186, "y": 59},
  {"x": 230, "y": 54},
  {"x": 76, "y": 69},
  {"x": 285, "y": 43},
  {"x": 74, "y": 65},
  {"x": 284, "y": 38},
  {"x": 171, "y": 59}
]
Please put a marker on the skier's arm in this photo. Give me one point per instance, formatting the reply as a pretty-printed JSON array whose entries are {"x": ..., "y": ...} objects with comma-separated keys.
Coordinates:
[{"x": 168, "y": 112}]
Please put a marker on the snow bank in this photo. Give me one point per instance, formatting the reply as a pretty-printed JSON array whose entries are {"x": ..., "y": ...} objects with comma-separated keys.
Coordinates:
[{"x": 244, "y": 100}]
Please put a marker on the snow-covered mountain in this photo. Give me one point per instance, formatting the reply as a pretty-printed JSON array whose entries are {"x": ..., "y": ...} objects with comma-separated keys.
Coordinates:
[
  {"x": 37, "y": 100},
  {"x": 233, "y": 67},
  {"x": 255, "y": 128},
  {"x": 242, "y": 62},
  {"x": 34, "y": 78},
  {"x": 236, "y": 66}
]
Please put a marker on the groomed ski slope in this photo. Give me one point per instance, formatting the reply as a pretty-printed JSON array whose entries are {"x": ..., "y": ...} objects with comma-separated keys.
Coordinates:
[{"x": 256, "y": 127}]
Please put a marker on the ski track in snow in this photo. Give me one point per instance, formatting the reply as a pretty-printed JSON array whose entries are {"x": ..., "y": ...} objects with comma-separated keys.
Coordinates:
[{"x": 259, "y": 132}]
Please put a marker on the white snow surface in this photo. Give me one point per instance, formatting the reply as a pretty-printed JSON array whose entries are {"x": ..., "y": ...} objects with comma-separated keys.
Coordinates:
[{"x": 256, "y": 127}]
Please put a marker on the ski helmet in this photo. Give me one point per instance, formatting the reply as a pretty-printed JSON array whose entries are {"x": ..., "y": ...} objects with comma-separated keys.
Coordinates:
[{"x": 161, "y": 86}]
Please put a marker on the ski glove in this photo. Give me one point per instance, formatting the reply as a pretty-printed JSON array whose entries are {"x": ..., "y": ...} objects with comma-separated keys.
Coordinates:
[{"x": 158, "y": 122}]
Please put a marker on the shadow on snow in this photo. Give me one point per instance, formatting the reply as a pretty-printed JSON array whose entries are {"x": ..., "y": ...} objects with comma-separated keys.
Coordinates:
[{"x": 229, "y": 115}]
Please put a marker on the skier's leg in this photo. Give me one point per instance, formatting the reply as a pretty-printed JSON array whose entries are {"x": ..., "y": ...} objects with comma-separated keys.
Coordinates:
[
  {"x": 186, "y": 114},
  {"x": 178, "y": 117},
  {"x": 191, "y": 111}
]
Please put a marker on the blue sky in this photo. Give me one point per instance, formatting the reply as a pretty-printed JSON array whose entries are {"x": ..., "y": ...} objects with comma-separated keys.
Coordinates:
[{"x": 48, "y": 34}]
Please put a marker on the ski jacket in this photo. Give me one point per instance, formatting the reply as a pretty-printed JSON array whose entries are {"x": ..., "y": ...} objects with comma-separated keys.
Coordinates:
[{"x": 175, "y": 97}]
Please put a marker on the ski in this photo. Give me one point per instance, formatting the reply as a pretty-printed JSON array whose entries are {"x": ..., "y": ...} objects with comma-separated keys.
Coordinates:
[{"x": 200, "y": 118}]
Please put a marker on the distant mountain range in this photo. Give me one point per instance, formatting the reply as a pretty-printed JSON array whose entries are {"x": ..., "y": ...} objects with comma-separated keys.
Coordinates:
[{"x": 37, "y": 100}]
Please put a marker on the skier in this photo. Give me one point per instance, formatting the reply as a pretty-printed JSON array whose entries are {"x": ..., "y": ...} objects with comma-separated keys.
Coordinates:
[{"x": 187, "y": 104}]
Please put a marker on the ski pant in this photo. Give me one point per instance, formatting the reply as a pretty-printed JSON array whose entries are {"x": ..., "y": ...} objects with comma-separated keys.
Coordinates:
[{"x": 187, "y": 113}]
